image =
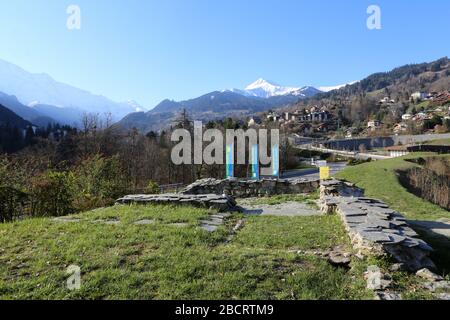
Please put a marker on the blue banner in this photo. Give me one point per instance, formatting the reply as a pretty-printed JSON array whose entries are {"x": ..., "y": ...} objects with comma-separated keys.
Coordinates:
[
  {"x": 276, "y": 160},
  {"x": 255, "y": 162},
  {"x": 230, "y": 160}
]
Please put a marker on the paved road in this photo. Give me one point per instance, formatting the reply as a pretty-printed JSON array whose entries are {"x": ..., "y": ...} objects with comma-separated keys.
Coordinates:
[{"x": 313, "y": 174}]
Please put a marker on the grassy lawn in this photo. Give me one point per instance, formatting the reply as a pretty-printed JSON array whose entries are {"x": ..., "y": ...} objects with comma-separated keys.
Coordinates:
[
  {"x": 167, "y": 261},
  {"x": 379, "y": 180},
  {"x": 440, "y": 142}
]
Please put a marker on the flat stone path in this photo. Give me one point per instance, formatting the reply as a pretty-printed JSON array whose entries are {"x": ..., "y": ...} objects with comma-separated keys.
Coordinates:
[
  {"x": 287, "y": 209},
  {"x": 214, "y": 221},
  {"x": 439, "y": 227}
]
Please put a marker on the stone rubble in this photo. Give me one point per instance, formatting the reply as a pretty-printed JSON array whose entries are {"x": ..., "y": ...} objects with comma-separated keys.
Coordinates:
[
  {"x": 221, "y": 203},
  {"x": 373, "y": 227},
  {"x": 214, "y": 221},
  {"x": 251, "y": 188}
]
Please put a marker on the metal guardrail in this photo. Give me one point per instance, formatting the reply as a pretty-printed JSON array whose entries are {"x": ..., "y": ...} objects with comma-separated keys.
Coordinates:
[{"x": 171, "y": 187}]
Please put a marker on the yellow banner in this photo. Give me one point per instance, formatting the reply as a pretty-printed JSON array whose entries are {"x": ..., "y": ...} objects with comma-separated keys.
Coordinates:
[{"x": 324, "y": 173}]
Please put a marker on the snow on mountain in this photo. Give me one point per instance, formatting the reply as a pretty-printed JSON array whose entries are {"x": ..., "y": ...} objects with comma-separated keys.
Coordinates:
[
  {"x": 266, "y": 89},
  {"x": 29, "y": 88},
  {"x": 328, "y": 89},
  {"x": 135, "y": 106}
]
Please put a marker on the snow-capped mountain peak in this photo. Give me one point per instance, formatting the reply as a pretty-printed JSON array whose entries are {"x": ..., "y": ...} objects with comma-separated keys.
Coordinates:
[
  {"x": 261, "y": 83},
  {"x": 262, "y": 88},
  {"x": 266, "y": 89}
]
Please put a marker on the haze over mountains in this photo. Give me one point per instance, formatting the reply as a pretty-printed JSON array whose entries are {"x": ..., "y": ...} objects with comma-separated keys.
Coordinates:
[{"x": 42, "y": 97}]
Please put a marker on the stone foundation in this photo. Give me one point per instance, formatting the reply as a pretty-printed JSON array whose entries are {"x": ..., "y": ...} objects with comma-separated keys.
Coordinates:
[
  {"x": 373, "y": 227},
  {"x": 251, "y": 188},
  {"x": 210, "y": 201}
]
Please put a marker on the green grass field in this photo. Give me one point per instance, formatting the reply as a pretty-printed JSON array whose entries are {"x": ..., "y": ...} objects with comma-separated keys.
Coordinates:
[
  {"x": 167, "y": 261},
  {"x": 440, "y": 142}
]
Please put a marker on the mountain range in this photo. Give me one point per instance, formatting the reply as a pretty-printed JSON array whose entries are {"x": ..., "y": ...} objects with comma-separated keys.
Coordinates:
[
  {"x": 266, "y": 89},
  {"x": 259, "y": 96},
  {"x": 38, "y": 96}
]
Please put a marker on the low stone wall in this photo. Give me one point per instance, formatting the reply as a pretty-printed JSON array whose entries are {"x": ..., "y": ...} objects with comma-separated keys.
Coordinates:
[
  {"x": 210, "y": 201},
  {"x": 251, "y": 188},
  {"x": 373, "y": 227}
]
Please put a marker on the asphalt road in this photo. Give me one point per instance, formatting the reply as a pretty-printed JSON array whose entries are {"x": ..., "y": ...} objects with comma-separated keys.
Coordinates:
[{"x": 313, "y": 174}]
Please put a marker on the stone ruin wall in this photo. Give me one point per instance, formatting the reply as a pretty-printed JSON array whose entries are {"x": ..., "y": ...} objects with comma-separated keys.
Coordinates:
[
  {"x": 373, "y": 227},
  {"x": 252, "y": 188}
]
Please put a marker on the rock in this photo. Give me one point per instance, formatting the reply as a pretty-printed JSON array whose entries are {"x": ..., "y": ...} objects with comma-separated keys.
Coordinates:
[
  {"x": 209, "y": 228},
  {"x": 397, "y": 267},
  {"x": 250, "y": 188},
  {"x": 428, "y": 275},
  {"x": 442, "y": 296},
  {"x": 216, "y": 202},
  {"x": 376, "y": 280},
  {"x": 388, "y": 296},
  {"x": 437, "y": 285},
  {"x": 378, "y": 237},
  {"x": 339, "y": 258}
]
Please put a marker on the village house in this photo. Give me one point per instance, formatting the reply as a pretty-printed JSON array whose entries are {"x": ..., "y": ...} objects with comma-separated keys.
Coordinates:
[
  {"x": 273, "y": 116},
  {"x": 419, "y": 95},
  {"x": 397, "y": 151},
  {"x": 387, "y": 100},
  {"x": 374, "y": 125},
  {"x": 400, "y": 127},
  {"x": 407, "y": 116}
]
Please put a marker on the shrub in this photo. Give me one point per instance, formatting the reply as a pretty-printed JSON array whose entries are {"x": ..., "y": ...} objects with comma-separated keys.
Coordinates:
[
  {"x": 152, "y": 188},
  {"x": 13, "y": 196},
  {"x": 99, "y": 181},
  {"x": 51, "y": 194},
  {"x": 12, "y": 204}
]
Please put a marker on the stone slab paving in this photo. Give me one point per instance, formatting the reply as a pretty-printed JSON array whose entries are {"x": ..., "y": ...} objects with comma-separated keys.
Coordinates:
[
  {"x": 440, "y": 227},
  {"x": 66, "y": 219},
  {"x": 287, "y": 209},
  {"x": 373, "y": 227},
  {"x": 214, "y": 221},
  {"x": 144, "y": 222}
]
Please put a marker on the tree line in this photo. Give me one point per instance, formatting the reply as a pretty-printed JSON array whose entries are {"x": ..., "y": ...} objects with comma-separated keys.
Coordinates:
[{"x": 61, "y": 170}]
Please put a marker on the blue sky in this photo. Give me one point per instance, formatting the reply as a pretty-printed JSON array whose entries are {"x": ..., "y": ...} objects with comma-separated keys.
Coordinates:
[{"x": 149, "y": 50}]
